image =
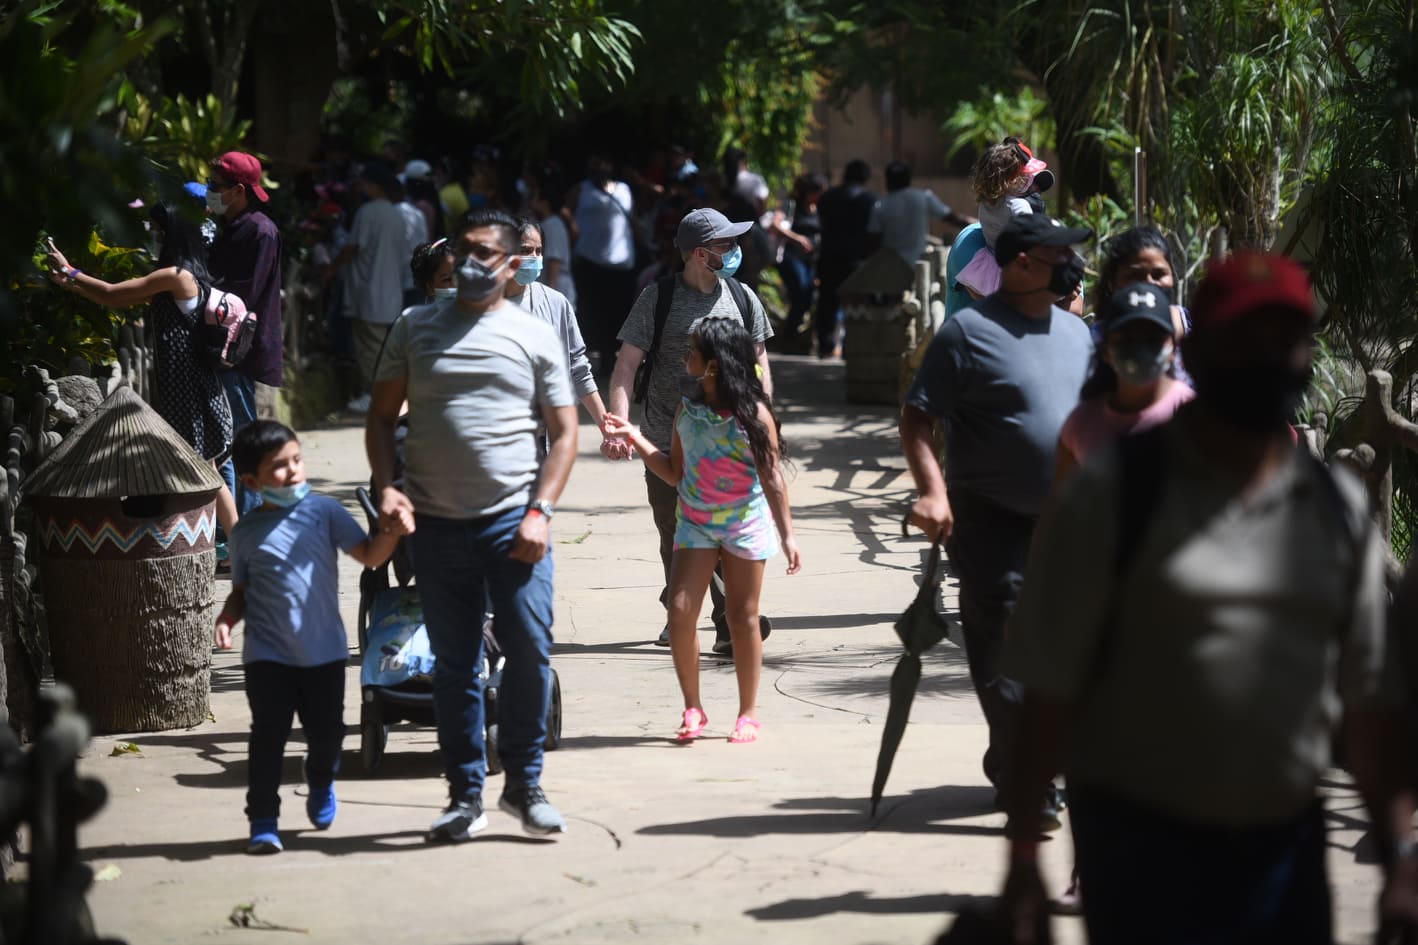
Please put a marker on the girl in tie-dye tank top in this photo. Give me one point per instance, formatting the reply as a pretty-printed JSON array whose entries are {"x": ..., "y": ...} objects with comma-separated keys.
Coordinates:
[{"x": 725, "y": 459}]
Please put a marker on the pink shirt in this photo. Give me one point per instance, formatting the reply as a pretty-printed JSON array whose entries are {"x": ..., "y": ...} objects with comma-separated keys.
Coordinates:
[{"x": 1093, "y": 423}]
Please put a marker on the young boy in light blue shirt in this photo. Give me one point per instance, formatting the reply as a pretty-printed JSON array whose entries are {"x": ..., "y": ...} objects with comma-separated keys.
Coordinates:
[{"x": 285, "y": 583}]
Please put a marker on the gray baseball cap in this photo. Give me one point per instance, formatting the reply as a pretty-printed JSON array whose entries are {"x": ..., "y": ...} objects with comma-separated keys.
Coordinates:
[{"x": 702, "y": 227}]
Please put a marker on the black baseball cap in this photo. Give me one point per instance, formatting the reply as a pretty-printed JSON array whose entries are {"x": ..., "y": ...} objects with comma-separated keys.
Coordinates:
[
  {"x": 1139, "y": 302},
  {"x": 1026, "y": 230}
]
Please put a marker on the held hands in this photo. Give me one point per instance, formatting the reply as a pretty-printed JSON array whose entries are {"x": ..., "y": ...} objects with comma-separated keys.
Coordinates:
[
  {"x": 530, "y": 545},
  {"x": 396, "y": 512},
  {"x": 618, "y": 435}
]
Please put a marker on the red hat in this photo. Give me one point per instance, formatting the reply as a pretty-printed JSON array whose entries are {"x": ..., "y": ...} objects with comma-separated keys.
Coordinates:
[
  {"x": 241, "y": 168},
  {"x": 1248, "y": 282}
]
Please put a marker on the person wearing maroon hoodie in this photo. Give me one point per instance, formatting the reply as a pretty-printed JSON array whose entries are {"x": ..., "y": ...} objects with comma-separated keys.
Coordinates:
[{"x": 245, "y": 259}]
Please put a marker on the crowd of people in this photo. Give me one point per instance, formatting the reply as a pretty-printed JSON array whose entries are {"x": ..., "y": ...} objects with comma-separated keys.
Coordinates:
[{"x": 1164, "y": 597}]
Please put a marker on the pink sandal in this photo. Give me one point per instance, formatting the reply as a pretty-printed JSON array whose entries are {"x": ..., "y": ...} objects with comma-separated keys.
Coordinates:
[
  {"x": 745, "y": 731},
  {"x": 691, "y": 725}
]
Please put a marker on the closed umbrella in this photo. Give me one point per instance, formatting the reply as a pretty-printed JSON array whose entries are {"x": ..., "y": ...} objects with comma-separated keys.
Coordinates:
[{"x": 919, "y": 628}]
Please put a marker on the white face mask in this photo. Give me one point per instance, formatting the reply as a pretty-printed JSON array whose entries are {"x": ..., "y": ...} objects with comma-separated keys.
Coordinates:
[
  {"x": 215, "y": 203},
  {"x": 451, "y": 292}
]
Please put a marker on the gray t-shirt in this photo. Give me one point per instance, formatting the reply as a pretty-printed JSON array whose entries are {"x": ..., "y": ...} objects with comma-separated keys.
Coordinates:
[
  {"x": 555, "y": 309},
  {"x": 903, "y": 218},
  {"x": 1003, "y": 384},
  {"x": 477, "y": 384},
  {"x": 377, "y": 271},
  {"x": 1212, "y": 696},
  {"x": 663, "y": 396}
]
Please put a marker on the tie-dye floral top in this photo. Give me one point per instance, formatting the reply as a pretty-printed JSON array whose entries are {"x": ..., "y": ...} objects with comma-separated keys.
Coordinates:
[{"x": 721, "y": 499}]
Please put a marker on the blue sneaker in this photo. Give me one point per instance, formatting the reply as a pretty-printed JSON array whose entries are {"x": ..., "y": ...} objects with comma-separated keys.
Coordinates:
[
  {"x": 320, "y": 804},
  {"x": 264, "y": 839}
]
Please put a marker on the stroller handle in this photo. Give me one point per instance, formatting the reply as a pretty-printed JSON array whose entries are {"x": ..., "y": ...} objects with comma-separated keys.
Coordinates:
[{"x": 366, "y": 502}]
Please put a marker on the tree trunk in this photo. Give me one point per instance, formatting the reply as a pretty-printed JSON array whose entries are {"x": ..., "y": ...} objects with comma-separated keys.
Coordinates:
[{"x": 132, "y": 638}]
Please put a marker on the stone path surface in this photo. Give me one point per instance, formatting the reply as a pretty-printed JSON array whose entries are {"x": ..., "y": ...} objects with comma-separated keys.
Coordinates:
[{"x": 704, "y": 843}]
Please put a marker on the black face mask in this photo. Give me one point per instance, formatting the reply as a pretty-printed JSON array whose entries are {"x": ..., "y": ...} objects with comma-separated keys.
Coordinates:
[
  {"x": 1257, "y": 399},
  {"x": 1065, "y": 278}
]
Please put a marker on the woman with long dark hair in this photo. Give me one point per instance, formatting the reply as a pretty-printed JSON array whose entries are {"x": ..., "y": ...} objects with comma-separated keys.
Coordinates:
[
  {"x": 725, "y": 458},
  {"x": 189, "y": 395}
]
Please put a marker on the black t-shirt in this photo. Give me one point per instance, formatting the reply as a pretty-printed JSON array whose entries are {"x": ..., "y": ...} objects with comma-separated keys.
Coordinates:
[{"x": 843, "y": 212}]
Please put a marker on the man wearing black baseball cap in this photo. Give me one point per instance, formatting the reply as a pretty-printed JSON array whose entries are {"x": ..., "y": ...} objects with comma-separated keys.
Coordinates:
[
  {"x": 1001, "y": 377},
  {"x": 657, "y": 333}
]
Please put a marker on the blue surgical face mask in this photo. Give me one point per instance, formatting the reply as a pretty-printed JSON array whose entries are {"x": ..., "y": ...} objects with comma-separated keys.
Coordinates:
[
  {"x": 450, "y": 292},
  {"x": 731, "y": 261},
  {"x": 285, "y": 496},
  {"x": 530, "y": 269}
]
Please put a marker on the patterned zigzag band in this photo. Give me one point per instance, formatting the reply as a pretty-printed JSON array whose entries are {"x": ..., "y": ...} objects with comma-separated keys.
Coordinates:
[{"x": 206, "y": 528}]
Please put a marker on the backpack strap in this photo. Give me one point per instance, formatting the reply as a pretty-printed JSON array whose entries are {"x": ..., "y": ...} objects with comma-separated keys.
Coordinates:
[
  {"x": 1139, "y": 490},
  {"x": 740, "y": 294},
  {"x": 1139, "y": 484},
  {"x": 664, "y": 298}
]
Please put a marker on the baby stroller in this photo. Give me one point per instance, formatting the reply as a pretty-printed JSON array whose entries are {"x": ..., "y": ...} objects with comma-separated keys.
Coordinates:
[{"x": 396, "y": 671}]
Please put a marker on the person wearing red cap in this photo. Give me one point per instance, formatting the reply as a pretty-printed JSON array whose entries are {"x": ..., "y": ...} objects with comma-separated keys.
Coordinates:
[
  {"x": 1198, "y": 603},
  {"x": 245, "y": 259}
]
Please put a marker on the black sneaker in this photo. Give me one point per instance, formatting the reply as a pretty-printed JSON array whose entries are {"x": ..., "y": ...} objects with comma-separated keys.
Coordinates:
[
  {"x": 664, "y": 638},
  {"x": 459, "y": 821},
  {"x": 724, "y": 643},
  {"x": 530, "y": 804}
]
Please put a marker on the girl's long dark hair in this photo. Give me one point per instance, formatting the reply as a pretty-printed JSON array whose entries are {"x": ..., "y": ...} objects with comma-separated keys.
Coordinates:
[
  {"x": 183, "y": 245},
  {"x": 1119, "y": 250},
  {"x": 740, "y": 391}
]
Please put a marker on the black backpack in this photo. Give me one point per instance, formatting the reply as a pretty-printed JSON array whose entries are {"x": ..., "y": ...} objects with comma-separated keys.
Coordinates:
[{"x": 664, "y": 298}]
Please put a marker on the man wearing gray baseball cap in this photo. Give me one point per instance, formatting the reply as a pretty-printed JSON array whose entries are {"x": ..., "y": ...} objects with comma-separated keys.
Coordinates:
[{"x": 653, "y": 343}]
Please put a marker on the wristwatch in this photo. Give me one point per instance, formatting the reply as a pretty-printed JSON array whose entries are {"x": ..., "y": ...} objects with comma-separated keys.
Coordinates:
[{"x": 544, "y": 507}]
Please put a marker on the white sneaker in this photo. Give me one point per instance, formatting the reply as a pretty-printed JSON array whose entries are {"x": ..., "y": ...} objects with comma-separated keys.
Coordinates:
[{"x": 359, "y": 405}]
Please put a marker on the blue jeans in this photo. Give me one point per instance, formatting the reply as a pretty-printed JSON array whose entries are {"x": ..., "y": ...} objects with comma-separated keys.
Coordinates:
[
  {"x": 797, "y": 282},
  {"x": 1149, "y": 877},
  {"x": 241, "y": 394},
  {"x": 462, "y": 567}
]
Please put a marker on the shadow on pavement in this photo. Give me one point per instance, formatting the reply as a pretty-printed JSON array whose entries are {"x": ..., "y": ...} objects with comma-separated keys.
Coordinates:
[
  {"x": 867, "y": 904},
  {"x": 836, "y": 815},
  {"x": 296, "y": 841}
]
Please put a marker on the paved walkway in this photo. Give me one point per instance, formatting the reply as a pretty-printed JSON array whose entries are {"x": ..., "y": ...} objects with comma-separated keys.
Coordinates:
[{"x": 706, "y": 843}]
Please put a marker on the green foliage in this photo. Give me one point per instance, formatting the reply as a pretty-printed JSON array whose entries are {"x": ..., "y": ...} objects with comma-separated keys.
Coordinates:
[
  {"x": 179, "y": 136},
  {"x": 57, "y": 325},
  {"x": 562, "y": 45},
  {"x": 995, "y": 114},
  {"x": 367, "y": 120},
  {"x": 64, "y": 168}
]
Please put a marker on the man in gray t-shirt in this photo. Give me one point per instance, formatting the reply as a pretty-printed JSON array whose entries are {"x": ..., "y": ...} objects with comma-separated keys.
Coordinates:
[
  {"x": 481, "y": 379},
  {"x": 1001, "y": 378},
  {"x": 708, "y": 243}
]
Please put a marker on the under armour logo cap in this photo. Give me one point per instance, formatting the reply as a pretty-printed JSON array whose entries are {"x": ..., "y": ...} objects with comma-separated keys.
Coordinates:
[{"x": 1141, "y": 302}]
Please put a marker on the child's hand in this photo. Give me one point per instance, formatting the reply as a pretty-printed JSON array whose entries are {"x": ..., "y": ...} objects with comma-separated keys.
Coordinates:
[
  {"x": 396, "y": 522},
  {"x": 613, "y": 425},
  {"x": 794, "y": 555},
  {"x": 222, "y": 638},
  {"x": 396, "y": 509}
]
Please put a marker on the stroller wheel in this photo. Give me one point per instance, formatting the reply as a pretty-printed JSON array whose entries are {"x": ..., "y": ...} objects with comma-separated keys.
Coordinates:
[
  {"x": 373, "y": 736},
  {"x": 553, "y": 739},
  {"x": 494, "y": 763}
]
